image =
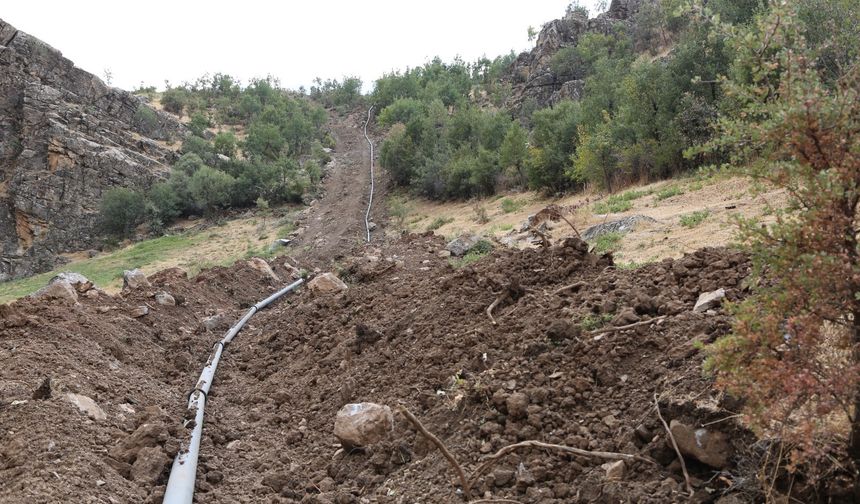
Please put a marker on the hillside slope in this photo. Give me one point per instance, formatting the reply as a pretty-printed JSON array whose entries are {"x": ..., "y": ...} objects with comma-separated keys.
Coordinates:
[{"x": 65, "y": 138}]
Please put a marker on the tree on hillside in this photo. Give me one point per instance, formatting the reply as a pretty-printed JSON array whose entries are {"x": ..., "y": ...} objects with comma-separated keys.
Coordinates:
[{"x": 794, "y": 354}]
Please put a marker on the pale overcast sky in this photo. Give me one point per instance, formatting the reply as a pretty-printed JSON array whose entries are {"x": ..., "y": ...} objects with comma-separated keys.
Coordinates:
[{"x": 295, "y": 41}]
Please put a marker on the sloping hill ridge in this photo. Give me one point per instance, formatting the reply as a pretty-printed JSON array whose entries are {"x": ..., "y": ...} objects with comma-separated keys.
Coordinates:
[{"x": 65, "y": 138}]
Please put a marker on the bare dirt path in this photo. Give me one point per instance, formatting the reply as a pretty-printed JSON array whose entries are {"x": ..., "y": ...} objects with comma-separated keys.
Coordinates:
[{"x": 334, "y": 224}]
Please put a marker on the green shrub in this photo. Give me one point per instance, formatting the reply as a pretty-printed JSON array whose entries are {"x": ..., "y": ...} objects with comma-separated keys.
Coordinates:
[
  {"x": 211, "y": 188},
  {"x": 508, "y": 205},
  {"x": 198, "y": 124},
  {"x": 612, "y": 205},
  {"x": 693, "y": 219},
  {"x": 145, "y": 118},
  {"x": 668, "y": 192},
  {"x": 200, "y": 146},
  {"x": 174, "y": 100},
  {"x": 439, "y": 222},
  {"x": 121, "y": 210},
  {"x": 165, "y": 205},
  {"x": 225, "y": 143},
  {"x": 188, "y": 163}
]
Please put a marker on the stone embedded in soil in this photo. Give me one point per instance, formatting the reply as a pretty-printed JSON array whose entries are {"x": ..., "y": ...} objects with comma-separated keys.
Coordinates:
[
  {"x": 44, "y": 390},
  {"x": 363, "y": 424},
  {"x": 87, "y": 406},
  {"x": 708, "y": 300},
  {"x": 502, "y": 477},
  {"x": 517, "y": 405},
  {"x": 79, "y": 282},
  {"x": 327, "y": 283},
  {"x": 215, "y": 321},
  {"x": 164, "y": 299},
  {"x": 461, "y": 245},
  {"x": 134, "y": 279},
  {"x": 706, "y": 446},
  {"x": 614, "y": 470},
  {"x": 263, "y": 267},
  {"x": 138, "y": 312},
  {"x": 149, "y": 465}
]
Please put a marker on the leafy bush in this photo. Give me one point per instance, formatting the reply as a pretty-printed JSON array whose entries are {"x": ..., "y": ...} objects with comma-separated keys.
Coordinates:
[
  {"x": 508, "y": 205},
  {"x": 200, "y": 146},
  {"x": 668, "y": 192},
  {"x": 693, "y": 219},
  {"x": 121, "y": 210},
  {"x": 174, "y": 100},
  {"x": 439, "y": 222},
  {"x": 198, "y": 124},
  {"x": 225, "y": 143},
  {"x": 607, "y": 242},
  {"x": 211, "y": 188},
  {"x": 165, "y": 205},
  {"x": 145, "y": 118}
]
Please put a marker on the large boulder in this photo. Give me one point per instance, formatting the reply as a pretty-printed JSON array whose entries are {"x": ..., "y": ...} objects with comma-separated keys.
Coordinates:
[
  {"x": 327, "y": 283},
  {"x": 57, "y": 289},
  {"x": 363, "y": 424}
]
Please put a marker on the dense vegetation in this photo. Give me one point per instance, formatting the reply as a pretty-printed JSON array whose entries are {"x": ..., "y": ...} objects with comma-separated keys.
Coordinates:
[
  {"x": 639, "y": 112},
  {"x": 257, "y": 144}
]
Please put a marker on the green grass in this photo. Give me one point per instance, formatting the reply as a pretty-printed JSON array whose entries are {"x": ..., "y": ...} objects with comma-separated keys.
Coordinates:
[
  {"x": 668, "y": 192},
  {"x": 693, "y": 219},
  {"x": 480, "y": 249},
  {"x": 509, "y": 205},
  {"x": 106, "y": 270},
  {"x": 607, "y": 242},
  {"x": 617, "y": 203},
  {"x": 591, "y": 322},
  {"x": 500, "y": 228},
  {"x": 439, "y": 222}
]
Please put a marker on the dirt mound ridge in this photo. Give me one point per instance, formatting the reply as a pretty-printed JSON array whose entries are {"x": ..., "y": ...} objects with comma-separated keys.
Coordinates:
[{"x": 411, "y": 330}]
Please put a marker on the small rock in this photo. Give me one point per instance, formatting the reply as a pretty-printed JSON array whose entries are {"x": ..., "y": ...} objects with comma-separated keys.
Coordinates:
[
  {"x": 614, "y": 470},
  {"x": 214, "y": 476},
  {"x": 164, "y": 299},
  {"x": 363, "y": 424},
  {"x": 371, "y": 225},
  {"x": 44, "y": 390},
  {"x": 263, "y": 267},
  {"x": 138, "y": 312},
  {"x": 709, "y": 447},
  {"x": 134, "y": 279},
  {"x": 462, "y": 245},
  {"x": 708, "y": 300},
  {"x": 502, "y": 477},
  {"x": 224, "y": 158},
  {"x": 214, "y": 321},
  {"x": 444, "y": 253},
  {"x": 625, "y": 317},
  {"x": 149, "y": 465},
  {"x": 86, "y": 405},
  {"x": 92, "y": 253},
  {"x": 517, "y": 405},
  {"x": 327, "y": 283}
]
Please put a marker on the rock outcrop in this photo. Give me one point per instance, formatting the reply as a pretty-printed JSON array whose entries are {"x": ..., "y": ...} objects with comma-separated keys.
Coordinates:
[
  {"x": 534, "y": 84},
  {"x": 65, "y": 138}
]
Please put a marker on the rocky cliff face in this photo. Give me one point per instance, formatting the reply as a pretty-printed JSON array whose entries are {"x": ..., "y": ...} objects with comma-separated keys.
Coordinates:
[
  {"x": 533, "y": 83},
  {"x": 65, "y": 138}
]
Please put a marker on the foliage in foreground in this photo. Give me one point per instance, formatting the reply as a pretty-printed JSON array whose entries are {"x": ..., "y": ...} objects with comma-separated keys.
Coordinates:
[{"x": 794, "y": 354}]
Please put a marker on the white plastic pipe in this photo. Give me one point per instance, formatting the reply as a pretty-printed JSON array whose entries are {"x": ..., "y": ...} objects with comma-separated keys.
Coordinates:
[
  {"x": 369, "y": 203},
  {"x": 180, "y": 485}
]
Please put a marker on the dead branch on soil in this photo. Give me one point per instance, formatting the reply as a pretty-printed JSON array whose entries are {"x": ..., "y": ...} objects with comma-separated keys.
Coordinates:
[
  {"x": 467, "y": 489},
  {"x": 555, "y": 213},
  {"x": 675, "y": 446},
  {"x": 512, "y": 292},
  {"x": 544, "y": 240},
  {"x": 628, "y": 326},
  {"x": 492, "y": 459},
  {"x": 577, "y": 285}
]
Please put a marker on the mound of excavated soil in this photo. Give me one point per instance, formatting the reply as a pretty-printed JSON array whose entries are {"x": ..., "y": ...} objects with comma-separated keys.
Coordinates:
[{"x": 410, "y": 331}]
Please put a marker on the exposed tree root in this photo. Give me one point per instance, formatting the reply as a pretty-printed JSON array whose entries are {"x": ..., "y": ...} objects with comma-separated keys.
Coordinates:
[
  {"x": 577, "y": 286},
  {"x": 675, "y": 446},
  {"x": 492, "y": 459},
  {"x": 628, "y": 326},
  {"x": 467, "y": 490}
]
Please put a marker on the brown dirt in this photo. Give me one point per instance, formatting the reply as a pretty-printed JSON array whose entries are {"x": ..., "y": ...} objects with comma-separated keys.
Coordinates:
[{"x": 537, "y": 375}]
